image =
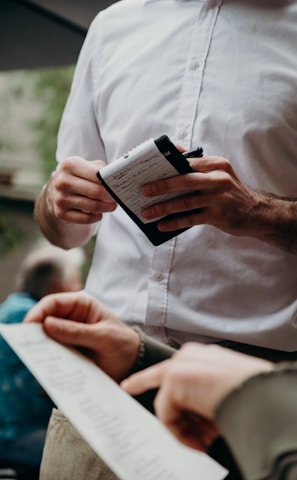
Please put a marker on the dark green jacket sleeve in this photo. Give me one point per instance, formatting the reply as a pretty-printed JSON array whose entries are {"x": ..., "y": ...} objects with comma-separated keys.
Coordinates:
[
  {"x": 151, "y": 351},
  {"x": 259, "y": 422}
]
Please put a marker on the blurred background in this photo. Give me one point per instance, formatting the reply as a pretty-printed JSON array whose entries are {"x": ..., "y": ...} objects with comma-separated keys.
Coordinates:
[{"x": 40, "y": 42}]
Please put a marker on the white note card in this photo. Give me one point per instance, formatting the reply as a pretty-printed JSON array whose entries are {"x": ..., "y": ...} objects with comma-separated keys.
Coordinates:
[
  {"x": 132, "y": 441},
  {"x": 126, "y": 176}
]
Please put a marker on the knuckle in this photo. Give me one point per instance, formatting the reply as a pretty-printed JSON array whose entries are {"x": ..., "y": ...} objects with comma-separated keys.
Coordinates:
[
  {"x": 191, "y": 181},
  {"x": 60, "y": 213},
  {"x": 73, "y": 331},
  {"x": 62, "y": 183},
  {"x": 225, "y": 164},
  {"x": 225, "y": 181},
  {"x": 60, "y": 207},
  {"x": 162, "y": 186},
  {"x": 157, "y": 210},
  {"x": 222, "y": 163},
  {"x": 69, "y": 162},
  {"x": 187, "y": 202},
  {"x": 64, "y": 167}
]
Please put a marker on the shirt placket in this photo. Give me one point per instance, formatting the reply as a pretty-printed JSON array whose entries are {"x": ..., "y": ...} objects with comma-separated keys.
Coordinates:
[
  {"x": 162, "y": 258},
  {"x": 158, "y": 289},
  {"x": 195, "y": 67}
]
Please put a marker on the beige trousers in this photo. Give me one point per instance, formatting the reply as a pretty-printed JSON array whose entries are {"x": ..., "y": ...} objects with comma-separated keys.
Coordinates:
[{"x": 67, "y": 456}]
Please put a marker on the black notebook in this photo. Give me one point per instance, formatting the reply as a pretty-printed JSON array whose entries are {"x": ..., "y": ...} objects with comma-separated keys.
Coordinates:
[{"x": 152, "y": 160}]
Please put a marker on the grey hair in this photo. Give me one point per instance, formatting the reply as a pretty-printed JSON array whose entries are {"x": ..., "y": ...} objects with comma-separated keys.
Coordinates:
[{"x": 47, "y": 265}]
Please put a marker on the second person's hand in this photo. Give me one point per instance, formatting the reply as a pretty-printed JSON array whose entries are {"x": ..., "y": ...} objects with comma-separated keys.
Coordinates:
[
  {"x": 191, "y": 386},
  {"x": 79, "y": 320}
]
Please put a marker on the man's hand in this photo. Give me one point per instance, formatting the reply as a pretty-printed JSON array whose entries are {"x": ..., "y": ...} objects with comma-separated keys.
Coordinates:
[
  {"x": 214, "y": 195},
  {"x": 75, "y": 194},
  {"x": 73, "y": 201},
  {"x": 191, "y": 386},
  {"x": 79, "y": 320}
]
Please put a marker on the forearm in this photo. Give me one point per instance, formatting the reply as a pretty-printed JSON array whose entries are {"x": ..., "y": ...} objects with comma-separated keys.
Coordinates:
[
  {"x": 273, "y": 220},
  {"x": 258, "y": 422},
  {"x": 58, "y": 232}
]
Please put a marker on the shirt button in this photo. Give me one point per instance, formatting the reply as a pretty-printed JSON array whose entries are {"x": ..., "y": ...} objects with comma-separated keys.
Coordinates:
[
  {"x": 194, "y": 65},
  {"x": 158, "y": 276},
  {"x": 183, "y": 134}
]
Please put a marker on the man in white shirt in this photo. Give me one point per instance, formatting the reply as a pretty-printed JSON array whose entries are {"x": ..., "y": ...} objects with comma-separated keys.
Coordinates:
[{"x": 214, "y": 73}]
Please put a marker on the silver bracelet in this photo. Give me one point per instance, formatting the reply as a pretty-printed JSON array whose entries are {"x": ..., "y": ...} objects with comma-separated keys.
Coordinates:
[{"x": 141, "y": 352}]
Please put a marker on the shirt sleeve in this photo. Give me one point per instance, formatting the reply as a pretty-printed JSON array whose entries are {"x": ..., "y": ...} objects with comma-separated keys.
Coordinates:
[{"x": 258, "y": 421}]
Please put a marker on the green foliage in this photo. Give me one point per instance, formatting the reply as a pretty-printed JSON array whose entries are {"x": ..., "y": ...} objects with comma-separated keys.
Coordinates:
[
  {"x": 51, "y": 88},
  {"x": 48, "y": 88}
]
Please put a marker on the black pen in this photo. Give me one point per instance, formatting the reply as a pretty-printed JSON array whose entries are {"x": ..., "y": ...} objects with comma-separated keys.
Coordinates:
[{"x": 194, "y": 153}]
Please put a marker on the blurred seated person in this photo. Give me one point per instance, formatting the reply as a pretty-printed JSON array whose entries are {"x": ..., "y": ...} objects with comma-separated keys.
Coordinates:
[{"x": 24, "y": 407}]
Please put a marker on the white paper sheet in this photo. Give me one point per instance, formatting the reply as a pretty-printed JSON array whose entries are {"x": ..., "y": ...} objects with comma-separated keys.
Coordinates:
[{"x": 127, "y": 437}]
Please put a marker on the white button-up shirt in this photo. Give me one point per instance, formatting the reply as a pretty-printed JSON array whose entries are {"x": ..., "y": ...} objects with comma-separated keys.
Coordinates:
[{"x": 211, "y": 73}]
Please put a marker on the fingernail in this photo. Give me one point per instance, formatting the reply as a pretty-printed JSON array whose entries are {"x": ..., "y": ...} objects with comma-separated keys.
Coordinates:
[{"x": 145, "y": 214}]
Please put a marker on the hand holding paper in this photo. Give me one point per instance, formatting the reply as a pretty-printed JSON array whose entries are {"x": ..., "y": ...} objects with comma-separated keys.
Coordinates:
[
  {"x": 131, "y": 440},
  {"x": 79, "y": 320}
]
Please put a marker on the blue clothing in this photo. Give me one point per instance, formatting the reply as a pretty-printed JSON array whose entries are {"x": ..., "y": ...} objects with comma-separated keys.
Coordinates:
[{"x": 24, "y": 406}]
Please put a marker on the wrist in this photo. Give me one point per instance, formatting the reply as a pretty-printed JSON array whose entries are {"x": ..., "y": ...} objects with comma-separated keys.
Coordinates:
[
  {"x": 273, "y": 219},
  {"x": 150, "y": 351}
]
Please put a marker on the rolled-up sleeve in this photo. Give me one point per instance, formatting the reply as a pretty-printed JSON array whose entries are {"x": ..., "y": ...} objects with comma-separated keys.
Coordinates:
[{"x": 259, "y": 422}]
